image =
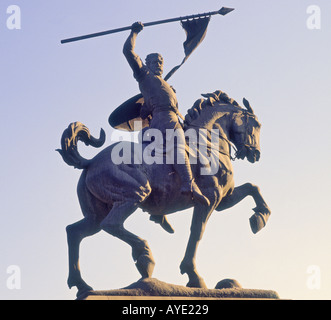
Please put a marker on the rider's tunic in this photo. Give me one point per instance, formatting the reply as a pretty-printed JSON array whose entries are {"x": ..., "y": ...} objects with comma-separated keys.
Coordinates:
[{"x": 160, "y": 101}]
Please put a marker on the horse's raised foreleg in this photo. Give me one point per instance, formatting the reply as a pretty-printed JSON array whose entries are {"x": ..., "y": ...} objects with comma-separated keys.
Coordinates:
[
  {"x": 262, "y": 211},
  {"x": 188, "y": 265},
  {"x": 75, "y": 234},
  {"x": 114, "y": 225}
]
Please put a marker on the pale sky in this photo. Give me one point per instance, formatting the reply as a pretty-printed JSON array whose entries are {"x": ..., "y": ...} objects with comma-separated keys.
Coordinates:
[{"x": 264, "y": 51}]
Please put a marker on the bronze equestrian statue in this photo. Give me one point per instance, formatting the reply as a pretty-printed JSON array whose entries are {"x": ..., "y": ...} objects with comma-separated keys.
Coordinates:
[
  {"x": 109, "y": 193},
  {"x": 200, "y": 175}
]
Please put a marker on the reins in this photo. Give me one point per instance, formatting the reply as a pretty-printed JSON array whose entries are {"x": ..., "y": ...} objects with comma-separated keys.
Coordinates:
[{"x": 230, "y": 145}]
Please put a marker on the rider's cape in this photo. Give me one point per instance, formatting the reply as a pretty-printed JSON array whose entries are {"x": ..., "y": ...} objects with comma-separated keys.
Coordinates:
[{"x": 127, "y": 113}]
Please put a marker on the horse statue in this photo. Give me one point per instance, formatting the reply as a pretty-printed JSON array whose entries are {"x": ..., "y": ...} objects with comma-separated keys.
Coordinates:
[{"x": 109, "y": 192}]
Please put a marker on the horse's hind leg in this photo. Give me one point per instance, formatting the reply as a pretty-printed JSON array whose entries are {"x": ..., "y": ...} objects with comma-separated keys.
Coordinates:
[
  {"x": 113, "y": 224},
  {"x": 92, "y": 210},
  {"x": 75, "y": 234}
]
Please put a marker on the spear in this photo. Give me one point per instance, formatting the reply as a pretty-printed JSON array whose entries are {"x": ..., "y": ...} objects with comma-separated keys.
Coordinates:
[{"x": 223, "y": 11}]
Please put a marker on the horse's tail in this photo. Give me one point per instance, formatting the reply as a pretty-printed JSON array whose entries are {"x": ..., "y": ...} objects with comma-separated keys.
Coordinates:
[{"x": 70, "y": 137}]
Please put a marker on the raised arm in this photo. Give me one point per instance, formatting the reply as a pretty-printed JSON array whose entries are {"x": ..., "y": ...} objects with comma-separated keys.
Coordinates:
[{"x": 128, "y": 49}]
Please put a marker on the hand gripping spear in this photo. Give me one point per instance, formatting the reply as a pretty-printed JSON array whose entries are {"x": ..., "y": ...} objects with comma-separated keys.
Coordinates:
[{"x": 223, "y": 11}]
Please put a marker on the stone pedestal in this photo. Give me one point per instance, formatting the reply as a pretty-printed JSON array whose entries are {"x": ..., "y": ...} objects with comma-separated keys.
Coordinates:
[{"x": 153, "y": 289}]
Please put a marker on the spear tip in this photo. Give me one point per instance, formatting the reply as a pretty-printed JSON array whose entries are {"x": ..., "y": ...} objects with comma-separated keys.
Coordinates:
[{"x": 223, "y": 11}]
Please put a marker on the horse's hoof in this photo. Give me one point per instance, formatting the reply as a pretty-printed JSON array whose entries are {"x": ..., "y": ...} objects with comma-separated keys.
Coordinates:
[
  {"x": 145, "y": 265},
  {"x": 197, "y": 283},
  {"x": 81, "y": 285},
  {"x": 84, "y": 291},
  {"x": 258, "y": 221}
]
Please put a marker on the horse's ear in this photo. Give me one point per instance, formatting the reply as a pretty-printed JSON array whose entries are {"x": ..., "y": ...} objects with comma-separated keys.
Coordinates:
[{"x": 248, "y": 106}]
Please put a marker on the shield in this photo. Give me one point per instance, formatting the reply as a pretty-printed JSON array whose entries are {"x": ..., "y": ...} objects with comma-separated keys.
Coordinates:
[{"x": 127, "y": 113}]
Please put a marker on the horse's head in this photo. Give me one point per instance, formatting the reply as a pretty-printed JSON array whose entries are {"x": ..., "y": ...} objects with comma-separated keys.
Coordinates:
[
  {"x": 240, "y": 125},
  {"x": 245, "y": 134}
]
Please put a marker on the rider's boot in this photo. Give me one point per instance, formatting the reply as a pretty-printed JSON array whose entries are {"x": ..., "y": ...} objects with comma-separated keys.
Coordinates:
[
  {"x": 188, "y": 184},
  {"x": 190, "y": 187},
  {"x": 163, "y": 222}
]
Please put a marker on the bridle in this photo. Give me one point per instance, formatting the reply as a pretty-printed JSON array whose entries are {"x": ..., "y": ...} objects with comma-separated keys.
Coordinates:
[
  {"x": 246, "y": 142},
  {"x": 231, "y": 145}
]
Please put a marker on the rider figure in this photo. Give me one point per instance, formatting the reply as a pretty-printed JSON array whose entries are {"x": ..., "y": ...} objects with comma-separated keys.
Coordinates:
[{"x": 161, "y": 103}]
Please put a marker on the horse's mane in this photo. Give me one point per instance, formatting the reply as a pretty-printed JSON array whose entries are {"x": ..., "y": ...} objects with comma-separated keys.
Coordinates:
[{"x": 218, "y": 97}]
